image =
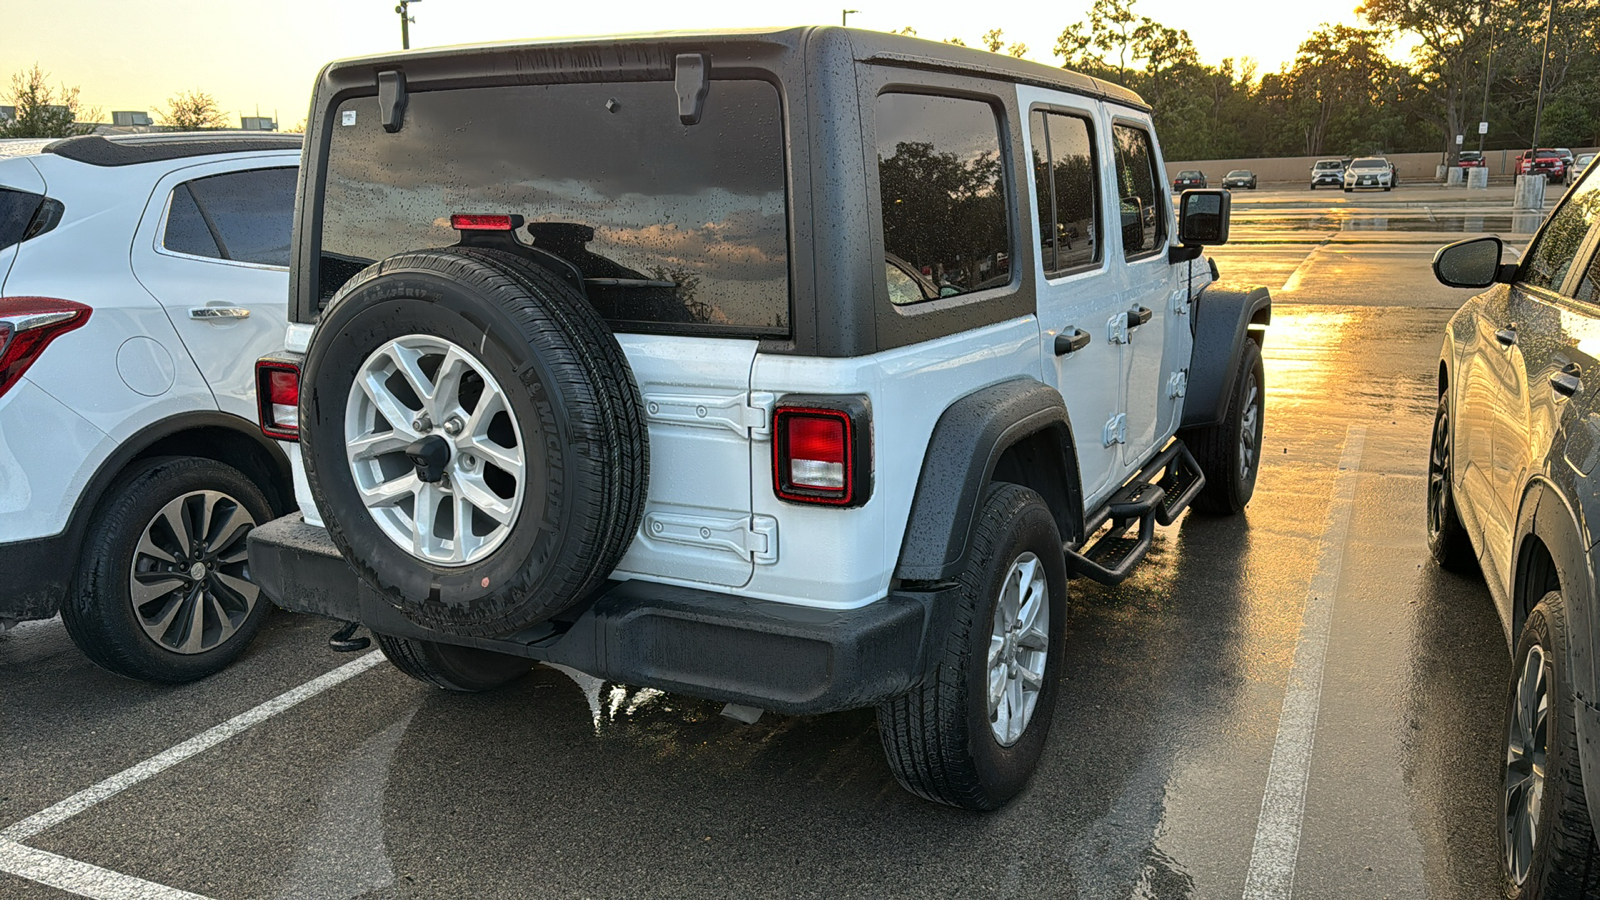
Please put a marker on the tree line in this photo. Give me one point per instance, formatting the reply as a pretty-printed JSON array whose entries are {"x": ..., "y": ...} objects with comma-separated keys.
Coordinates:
[
  {"x": 43, "y": 111},
  {"x": 1341, "y": 94}
]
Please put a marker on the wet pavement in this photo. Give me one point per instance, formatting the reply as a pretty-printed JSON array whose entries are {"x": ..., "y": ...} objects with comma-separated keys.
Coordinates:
[{"x": 1159, "y": 778}]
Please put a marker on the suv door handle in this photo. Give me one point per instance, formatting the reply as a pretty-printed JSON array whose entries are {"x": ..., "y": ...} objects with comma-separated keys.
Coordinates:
[
  {"x": 218, "y": 313},
  {"x": 1137, "y": 316},
  {"x": 1067, "y": 343},
  {"x": 1506, "y": 336},
  {"x": 1566, "y": 382}
]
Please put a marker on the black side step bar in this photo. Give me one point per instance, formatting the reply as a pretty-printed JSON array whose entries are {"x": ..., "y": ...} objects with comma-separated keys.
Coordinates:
[{"x": 1145, "y": 500}]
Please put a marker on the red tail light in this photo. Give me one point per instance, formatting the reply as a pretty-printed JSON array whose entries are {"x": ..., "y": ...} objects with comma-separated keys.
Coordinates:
[
  {"x": 278, "y": 398},
  {"x": 820, "y": 454},
  {"x": 27, "y": 326},
  {"x": 473, "y": 222}
]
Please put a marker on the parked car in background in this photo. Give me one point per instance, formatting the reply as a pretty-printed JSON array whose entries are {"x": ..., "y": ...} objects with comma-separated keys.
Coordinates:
[
  {"x": 1327, "y": 171},
  {"x": 1470, "y": 159},
  {"x": 1548, "y": 163},
  {"x": 1581, "y": 164},
  {"x": 1512, "y": 483},
  {"x": 1242, "y": 178},
  {"x": 1369, "y": 172},
  {"x": 140, "y": 278},
  {"x": 1566, "y": 159},
  {"x": 1189, "y": 179}
]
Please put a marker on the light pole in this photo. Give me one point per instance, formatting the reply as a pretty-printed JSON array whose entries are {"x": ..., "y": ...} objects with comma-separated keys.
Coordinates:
[
  {"x": 844, "y": 19},
  {"x": 1538, "y": 110},
  {"x": 405, "y": 22},
  {"x": 1488, "y": 75}
]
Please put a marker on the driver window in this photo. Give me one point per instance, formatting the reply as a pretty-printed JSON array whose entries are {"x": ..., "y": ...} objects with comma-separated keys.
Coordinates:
[{"x": 1553, "y": 251}]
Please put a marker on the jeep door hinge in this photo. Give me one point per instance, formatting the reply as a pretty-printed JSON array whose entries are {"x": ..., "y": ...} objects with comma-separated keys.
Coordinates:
[
  {"x": 1117, "y": 329},
  {"x": 1116, "y": 431},
  {"x": 1180, "y": 301},
  {"x": 1178, "y": 384},
  {"x": 755, "y": 538},
  {"x": 750, "y": 416}
]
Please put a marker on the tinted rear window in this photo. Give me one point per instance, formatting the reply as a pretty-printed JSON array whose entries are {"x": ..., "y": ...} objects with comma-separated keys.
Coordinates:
[
  {"x": 16, "y": 212},
  {"x": 605, "y": 175}
]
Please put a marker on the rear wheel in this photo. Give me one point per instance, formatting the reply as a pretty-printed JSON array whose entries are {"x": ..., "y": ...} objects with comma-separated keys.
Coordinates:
[
  {"x": 972, "y": 733},
  {"x": 163, "y": 591},
  {"x": 1547, "y": 848},
  {"x": 452, "y": 667}
]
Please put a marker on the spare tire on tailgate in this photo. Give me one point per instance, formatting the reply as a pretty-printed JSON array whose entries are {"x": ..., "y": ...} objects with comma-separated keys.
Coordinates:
[{"x": 474, "y": 438}]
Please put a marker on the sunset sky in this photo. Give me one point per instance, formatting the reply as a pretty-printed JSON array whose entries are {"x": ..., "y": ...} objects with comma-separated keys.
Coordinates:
[{"x": 135, "y": 55}]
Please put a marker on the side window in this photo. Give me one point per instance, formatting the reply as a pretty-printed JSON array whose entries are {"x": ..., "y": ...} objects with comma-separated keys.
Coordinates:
[
  {"x": 241, "y": 216},
  {"x": 1064, "y": 171},
  {"x": 1549, "y": 259},
  {"x": 1143, "y": 225},
  {"x": 941, "y": 179}
]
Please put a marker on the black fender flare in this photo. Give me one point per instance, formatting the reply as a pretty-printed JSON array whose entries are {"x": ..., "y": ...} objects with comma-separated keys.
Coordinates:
[
  {"x": 1545, "y": 514},
  {"x": 1222, "y": 315},
  {"x": 967, "y": 442}
]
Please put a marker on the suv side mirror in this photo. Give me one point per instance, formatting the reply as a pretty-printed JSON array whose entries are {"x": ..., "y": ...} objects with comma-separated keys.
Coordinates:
[
  {"x": 1203, "y": 217},
  {"x": 1472, "y": 263}
]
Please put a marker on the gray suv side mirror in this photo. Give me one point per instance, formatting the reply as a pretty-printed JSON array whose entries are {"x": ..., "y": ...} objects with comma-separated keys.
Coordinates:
[{"x": 1472, "y": 263}]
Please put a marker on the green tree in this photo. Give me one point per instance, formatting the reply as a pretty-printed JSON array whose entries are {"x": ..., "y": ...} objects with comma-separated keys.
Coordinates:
[
  {"x": 43, "y": 111},
  {"x": 1454, "y": 36},
  {"x": 193, "y": 111}
]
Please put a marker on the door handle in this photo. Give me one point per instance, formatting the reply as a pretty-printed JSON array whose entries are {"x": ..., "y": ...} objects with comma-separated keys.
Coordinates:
[
  {"x": 218, "y": 313},
  {"x": 1067, "y": 343},
  {"x": 1506, "y": 336},
  {"x": 1566, "y": 383},
  {"x": 1137, "y": 316}
]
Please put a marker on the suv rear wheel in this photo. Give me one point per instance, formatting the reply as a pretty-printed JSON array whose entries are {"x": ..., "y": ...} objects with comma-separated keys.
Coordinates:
[
  {"x": 972, "y": 733},
  {"x": 164, "y": 590},
  {"x": 474, "y": 437}
]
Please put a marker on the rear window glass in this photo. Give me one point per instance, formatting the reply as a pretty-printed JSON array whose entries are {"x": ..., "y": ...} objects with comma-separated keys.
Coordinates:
[
  {"x": 941, "y": 180},
  {"x": 241, "y": 216},
  {"x": 605, "y": 175},
  {"x": 16, "y": 212}
]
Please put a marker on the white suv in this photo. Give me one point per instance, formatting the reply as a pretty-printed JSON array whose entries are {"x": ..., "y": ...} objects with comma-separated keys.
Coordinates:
[
  {"x": 796, "y": 370},
  {"x": 140, "y": 278}
]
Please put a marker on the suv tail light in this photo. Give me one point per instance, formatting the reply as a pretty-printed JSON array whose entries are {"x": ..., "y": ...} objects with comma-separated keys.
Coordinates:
[
  {"x": 822, "y": 453},
  {"x": 278, "y": 398},
  {"x": 27, "y": 326}
]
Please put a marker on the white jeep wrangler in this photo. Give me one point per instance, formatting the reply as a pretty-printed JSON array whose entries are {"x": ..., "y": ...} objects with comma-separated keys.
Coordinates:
[{"x": 797, "y": 370}]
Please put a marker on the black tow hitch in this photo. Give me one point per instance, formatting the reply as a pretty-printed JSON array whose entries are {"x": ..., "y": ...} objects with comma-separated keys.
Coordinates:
[{"x": 345, "y": 641}]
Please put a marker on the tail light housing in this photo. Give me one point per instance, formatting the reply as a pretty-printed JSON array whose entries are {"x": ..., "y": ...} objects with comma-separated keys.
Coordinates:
[
  {"x": 822, "y": 450},
  {"x": 278, "y": 398},
  {"x": 27, "y": 326}
]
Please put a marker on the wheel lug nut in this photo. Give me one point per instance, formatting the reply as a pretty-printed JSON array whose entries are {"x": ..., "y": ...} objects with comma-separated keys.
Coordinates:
[{"x": 453, "y": 426}]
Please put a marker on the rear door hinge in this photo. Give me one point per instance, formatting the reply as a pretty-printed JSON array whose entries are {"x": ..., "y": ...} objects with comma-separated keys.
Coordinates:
[
  {"x": 1117, "y": 329},
  {"x": 754, "y": 538},
  {"x": 1116, "y": 430},
  {"x": 746, "y": 416}
]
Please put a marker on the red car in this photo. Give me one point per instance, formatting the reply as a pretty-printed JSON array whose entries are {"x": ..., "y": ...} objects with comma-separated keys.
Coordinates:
[
  {"x": 1470, "y": 159},
  {"x": 1543, "y": 162}
]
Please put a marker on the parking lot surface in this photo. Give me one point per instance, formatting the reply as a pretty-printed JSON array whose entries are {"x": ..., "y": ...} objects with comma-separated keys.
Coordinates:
[{"x": 1294, "y": 701}]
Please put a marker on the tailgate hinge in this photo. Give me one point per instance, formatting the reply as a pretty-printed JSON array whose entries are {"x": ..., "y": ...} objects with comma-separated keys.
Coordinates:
[
  {"x": 754, "y": 538},
  {"x": 752, "y": 417}
]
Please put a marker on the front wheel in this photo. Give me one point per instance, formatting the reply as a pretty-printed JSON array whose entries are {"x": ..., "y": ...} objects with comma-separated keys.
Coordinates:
[
  {"x": 1447, "y": 540},
  {"x": 972, "y": 733},
  {"x": 1229, "y": 453},
  {"x": 1547, "y": 848}
]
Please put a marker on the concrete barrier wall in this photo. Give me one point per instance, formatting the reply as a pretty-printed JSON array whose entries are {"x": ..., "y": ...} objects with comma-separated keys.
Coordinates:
[{"x": 1412, "y": 166}]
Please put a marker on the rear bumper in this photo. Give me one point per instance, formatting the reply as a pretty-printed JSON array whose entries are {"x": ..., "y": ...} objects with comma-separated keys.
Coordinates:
[
  {"x": 37, "y": 575},
  {"x": 793, "y": 660}
]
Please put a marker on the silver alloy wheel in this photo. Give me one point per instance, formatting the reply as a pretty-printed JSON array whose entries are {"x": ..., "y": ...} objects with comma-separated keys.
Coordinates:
[
  {"x": 416, "y": 387},
  {"x": 1249, "y": 428},
  {"x": 190, "y": 583},
  {"x": 1527, "y": 743},
  {"x": 1018, "y": 645}
]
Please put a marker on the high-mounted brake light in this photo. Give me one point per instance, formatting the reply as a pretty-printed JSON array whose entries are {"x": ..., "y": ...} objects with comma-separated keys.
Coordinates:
[
  {"x": 473, "y": 222},
  {"x": 27, "y": 326},
  {"x": 278, "y": 398},
  {"x": 820, "y": 454}
]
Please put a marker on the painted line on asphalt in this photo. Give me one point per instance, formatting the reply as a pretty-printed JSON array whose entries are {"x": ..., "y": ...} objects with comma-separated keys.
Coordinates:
[
  {"x": 81, "y": 878},
  {"x": 155, "y": 765},
  {"x": 1283, "y": 802},
  {"x": 1292, "y": 283}
]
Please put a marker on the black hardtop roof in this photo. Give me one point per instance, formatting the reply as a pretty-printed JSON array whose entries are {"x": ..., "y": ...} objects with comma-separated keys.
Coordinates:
[
  {"x": 132, "y": 149},
  {"x": 867, "y": 46}
]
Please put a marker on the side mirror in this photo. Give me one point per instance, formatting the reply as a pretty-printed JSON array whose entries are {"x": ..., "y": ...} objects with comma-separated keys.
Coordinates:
[
  {"x": 1203, "y": 217},
  {"x": 1473, "y": 263}
]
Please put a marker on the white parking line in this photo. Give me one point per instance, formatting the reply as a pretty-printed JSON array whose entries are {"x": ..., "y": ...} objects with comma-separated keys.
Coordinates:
[
  {"x": 1292, "y": 283},
  {"x": 1277, "y": 843},
  {"x": 82, "y": 878}
]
